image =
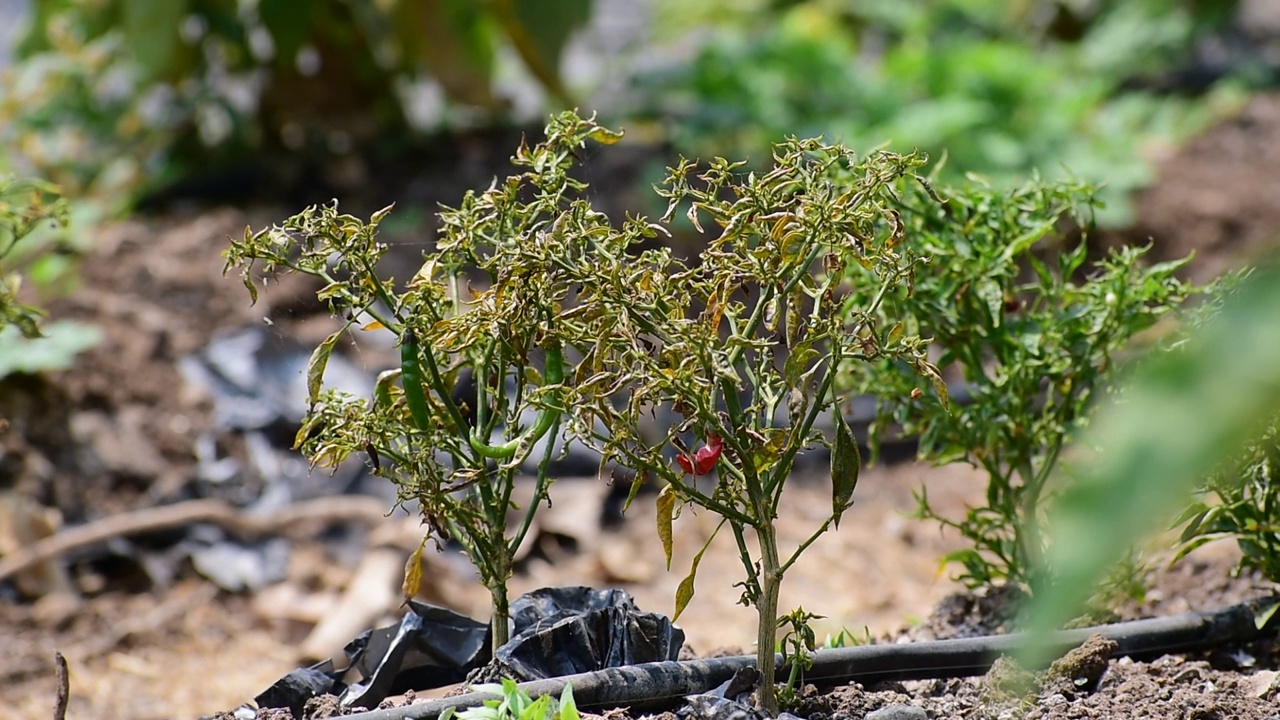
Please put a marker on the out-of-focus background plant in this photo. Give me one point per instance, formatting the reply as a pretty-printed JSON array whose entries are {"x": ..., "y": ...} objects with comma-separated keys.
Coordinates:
[
  {"x": 121, "y": 97},
  {"x": 34, "y": 251},
  {"x": 1091, "y": 88},
  {"x": 115, "y": 98}
]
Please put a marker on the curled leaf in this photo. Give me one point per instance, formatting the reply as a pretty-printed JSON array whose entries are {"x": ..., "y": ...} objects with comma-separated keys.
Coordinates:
[
  {"x": 666, "y": 514},
  {"x": 413, "y": 571},
  {"x": 684, "y": 592},
  {"x": 316, "y": 365},
  {"x": 930, "y": 372},
  {"x": 605, "y": 136},
  {"x": 382, "y": 388},
  {"x": 846, "y": 461}
]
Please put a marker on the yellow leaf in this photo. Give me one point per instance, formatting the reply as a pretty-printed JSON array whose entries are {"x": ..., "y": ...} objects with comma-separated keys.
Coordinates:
[
  {"x": 684, "y": 593},
  {"x": 316, "y": 365},
  {"x": 413, "y": 571},
  {"x": 666, "y": 513},
  {"x": 605, "y": 136},
  {"x": 375, "y": 325}
]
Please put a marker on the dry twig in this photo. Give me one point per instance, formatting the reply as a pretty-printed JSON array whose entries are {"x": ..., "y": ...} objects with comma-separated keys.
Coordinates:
[
  {"x": 348, "y": 508},
  {"x": 64, "y": 686}
]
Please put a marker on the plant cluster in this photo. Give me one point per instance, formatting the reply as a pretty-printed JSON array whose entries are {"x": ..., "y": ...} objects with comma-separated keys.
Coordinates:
[
  {"x": 1034, "y": 331},
  {"x": 797, "y": 645},
  {"x": 24, "y": 207},
  {"x": 107, "y": 98},
  {"x": 453, "y": 426},
  {"x": 744, "y": 344},
  {"x": 534, "y": 321},
  {"x": 515, "y": 704},
  {"x": 1000, "y": 88}
]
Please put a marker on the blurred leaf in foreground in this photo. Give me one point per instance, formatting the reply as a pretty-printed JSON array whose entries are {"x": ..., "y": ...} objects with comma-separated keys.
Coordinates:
[{"x": 1183, "y": 412}]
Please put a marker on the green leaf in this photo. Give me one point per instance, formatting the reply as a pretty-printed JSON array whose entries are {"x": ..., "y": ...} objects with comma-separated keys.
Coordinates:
[
  {"x": 1023, "y": 243},
  {"x": 568, "y": 707},
  {"x": 55, "y": 350},
  {"x": 316, "y": 365},
  {"x": 537, "y": 710},
  {"x": 666, "y": 514},
  {"x": 846, "y": 462},
  {"x": 1264, "y": 614},
  {"x": 797, "y": 361},
  {"x": 151, "y": 31}
]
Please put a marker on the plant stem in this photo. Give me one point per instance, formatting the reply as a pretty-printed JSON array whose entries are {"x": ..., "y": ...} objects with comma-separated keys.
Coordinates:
[
  {"x": 501, "y": 622},
  {"x": 540, "y": 491},
  {"x": 1030, "y": 526},
  {"x": 767, "y": 607}
]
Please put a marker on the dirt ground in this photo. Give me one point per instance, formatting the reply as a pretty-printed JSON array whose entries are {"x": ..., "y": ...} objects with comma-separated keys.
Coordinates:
[{"x": 116, "y": 435}]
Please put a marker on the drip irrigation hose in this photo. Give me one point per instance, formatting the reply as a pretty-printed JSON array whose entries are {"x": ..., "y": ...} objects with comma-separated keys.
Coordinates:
[{"x": 653, "y": 686}]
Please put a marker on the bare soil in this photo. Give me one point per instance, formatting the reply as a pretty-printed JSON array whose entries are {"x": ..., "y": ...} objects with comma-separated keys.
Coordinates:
[{"x": 116, "y": 434}]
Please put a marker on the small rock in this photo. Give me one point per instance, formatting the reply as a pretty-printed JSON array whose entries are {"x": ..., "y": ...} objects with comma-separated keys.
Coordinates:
[
  {"x": 1264, "y": 683},
  {"x": 1054, "y": 699},
  {"x": 1082, "y": 667},
  {"x": 1007, "y": 680},
  {"x": 897, "y": 712}
]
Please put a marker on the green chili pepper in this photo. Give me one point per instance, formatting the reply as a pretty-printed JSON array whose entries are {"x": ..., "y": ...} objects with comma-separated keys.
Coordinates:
[
  {"x": 553, "y": 374},
  {"x": 413, "y": 381}
]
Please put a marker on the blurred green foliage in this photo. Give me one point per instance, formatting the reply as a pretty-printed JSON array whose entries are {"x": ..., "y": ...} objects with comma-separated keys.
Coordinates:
[
  {"x": 26, "y": 207},
  {"x": 115, "y": 96},
  {"x": 1180, "y": 416},
  {"x": 1240, "y": 500},
  {"x": 30, "y": 214},
  {"x": 1002, "y": 87}
]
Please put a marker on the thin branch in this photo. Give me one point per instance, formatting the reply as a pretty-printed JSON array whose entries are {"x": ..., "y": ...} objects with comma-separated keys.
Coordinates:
[
  {"x": 346, "y": 508},
  {"x": 64, "y": 686}
]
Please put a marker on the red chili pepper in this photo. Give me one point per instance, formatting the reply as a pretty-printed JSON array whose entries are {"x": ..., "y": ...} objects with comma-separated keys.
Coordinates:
[{"x": 704, "y": 459}]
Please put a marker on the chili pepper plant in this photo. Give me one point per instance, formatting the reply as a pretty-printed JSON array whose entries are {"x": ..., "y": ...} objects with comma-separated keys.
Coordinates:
[
  {"x": 742, "y": 342},
  {"x": 484, "y": 310},
  {"x": 1036, "y": 329}
]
